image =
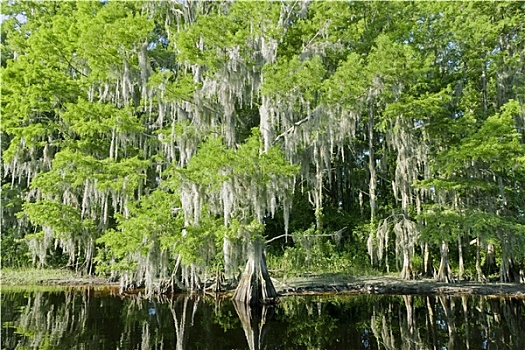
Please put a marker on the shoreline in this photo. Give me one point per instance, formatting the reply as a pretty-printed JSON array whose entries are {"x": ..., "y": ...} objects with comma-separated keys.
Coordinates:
[
  {"x": 389, "y": 285},
  {"x": 310, "y": 285},
  {"x": 49, "y": 277}
]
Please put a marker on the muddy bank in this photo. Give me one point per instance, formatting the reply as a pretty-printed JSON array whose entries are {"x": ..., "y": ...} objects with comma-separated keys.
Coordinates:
[{"x": 393, "y": 285}]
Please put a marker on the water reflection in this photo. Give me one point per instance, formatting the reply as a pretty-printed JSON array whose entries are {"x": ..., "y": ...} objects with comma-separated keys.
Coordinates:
[
  {"x": 254, "y": 320},
  {"x": 91, "y": 319},
  {"x": 450, "y": 323}
]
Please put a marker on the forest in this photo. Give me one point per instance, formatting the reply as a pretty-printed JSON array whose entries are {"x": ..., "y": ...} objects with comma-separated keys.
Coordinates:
[{"x": 164, "y": 144}]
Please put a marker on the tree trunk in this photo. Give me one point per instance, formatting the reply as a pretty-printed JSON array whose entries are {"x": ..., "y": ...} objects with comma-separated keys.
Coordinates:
[
  {"x": 508, "y": 271},
  {"x": 190, "y": 278},
  {"x": 484, "y": 78},
  {"x": 444, "y": 272},
  {"x": 461, "y": 264},
  {"x": 372, "y": 184},
  {"x": 490, "y": 260},
  {"x": 255, "y": 286},
  {"x": 406, "y": 272},
  {"x": 479, "y": 274},
  {"x": 428, "y": 269},
  {"x": 319, "y": 198},
  {"x": 230, "y": 259}
]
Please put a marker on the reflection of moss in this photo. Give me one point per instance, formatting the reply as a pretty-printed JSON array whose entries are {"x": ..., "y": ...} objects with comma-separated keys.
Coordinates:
[
  {"x": 79, "y": 318},
  {"x": 47, "y": 344}
]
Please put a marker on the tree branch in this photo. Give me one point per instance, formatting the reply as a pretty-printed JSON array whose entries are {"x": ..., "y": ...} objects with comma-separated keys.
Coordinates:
[
  {"x": 335, "y": 235},
  {"x": 292, "y": 128}
]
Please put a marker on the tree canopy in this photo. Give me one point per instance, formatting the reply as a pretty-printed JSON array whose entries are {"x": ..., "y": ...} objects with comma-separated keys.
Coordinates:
[{"x": 151, "y": 139}]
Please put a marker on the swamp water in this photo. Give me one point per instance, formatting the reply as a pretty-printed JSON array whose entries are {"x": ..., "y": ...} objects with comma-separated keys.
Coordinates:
[{"x": 98, "y": 319}]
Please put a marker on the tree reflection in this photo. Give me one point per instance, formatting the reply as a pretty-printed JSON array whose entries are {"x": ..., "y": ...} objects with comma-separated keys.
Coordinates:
[
  {"x": 253, "y": 320},
  {"x": 86, "y": 319},
  {"x": 310, "y": 322},
  {"x": 51, "y": 318},
  {"x": 180, "y": 309},
  {"x": 436, "y": 322}
]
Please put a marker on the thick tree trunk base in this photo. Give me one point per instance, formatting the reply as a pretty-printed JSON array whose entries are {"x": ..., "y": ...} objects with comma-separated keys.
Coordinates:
[
  {"x": 255, "y": 286},
  {"x": 444, "y": 274},
  {"x": 406, "y": 271},
  {"x": 508, "y": 271}
]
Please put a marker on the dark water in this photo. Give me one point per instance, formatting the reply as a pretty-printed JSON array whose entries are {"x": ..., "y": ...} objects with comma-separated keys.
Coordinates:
[{"x": 91, "y": 319}]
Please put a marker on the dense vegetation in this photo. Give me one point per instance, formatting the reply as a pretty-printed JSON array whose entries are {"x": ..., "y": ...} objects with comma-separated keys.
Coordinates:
[{"x": 173, "y": 140}]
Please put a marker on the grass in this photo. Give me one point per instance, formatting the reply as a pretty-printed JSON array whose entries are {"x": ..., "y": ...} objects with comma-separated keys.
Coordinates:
[{"x": 35, "y": 277}]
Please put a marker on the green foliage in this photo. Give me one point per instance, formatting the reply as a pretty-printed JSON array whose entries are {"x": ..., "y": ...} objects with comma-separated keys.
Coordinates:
[
  {"x": 440, "y": 224},
  {"x": 205, "y": 168},
  {"x": 250, "y": 163},
  {"x": 247, "y": 167},
  {"x": 162, "y": 128},
  {"x": 151, "y": 224},
  {"x": 496, "y": 145},
  {"x": 13, "y": 250},
  {"x": 346, "y": 85},
  {"x": 313, "y": 254},
  {"x": 291, "y": 78},
  {"x": 200, "y": 243},
  {"x": 64, "y": 219}
]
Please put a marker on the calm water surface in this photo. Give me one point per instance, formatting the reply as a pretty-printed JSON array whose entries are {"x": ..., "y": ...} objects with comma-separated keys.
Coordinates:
[{"x": 95, "y": 319}]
